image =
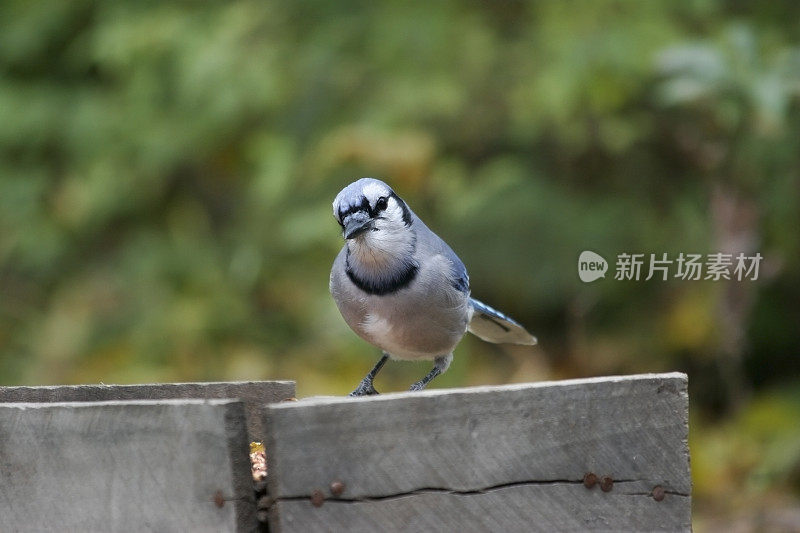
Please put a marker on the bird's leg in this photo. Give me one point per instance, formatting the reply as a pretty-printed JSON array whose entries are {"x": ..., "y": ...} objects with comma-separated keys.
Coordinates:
[
  {"x": 440, "y": 364},
  {"x": 365, "y": 388}
]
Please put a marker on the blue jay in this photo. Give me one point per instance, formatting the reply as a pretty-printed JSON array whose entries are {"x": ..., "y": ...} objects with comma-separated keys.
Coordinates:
[{"x": 401, "y": 288}]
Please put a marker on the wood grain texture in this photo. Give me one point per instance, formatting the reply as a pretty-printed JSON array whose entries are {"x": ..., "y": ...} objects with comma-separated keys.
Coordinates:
[
  {"x": 514, "y": 455},
  {"x": 125, "y": 466},
  {"x": 518, "y": 508},
  {"x": 255, "y": 395}
]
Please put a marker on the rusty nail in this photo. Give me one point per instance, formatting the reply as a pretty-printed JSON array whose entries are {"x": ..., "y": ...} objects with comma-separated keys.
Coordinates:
[
  {"x": 292, "y": 399},
  {"x": 658, "y": 493},
  {"x": 589, "y": 480},
  {"x": 317, "y": 498},
  {"x": 337, "y": 488},
  {"x": 219, "y": 501},
  {"x": 606, "y": 483}
]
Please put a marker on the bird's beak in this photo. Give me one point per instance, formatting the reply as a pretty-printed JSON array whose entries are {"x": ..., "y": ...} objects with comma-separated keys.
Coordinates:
[{"x": 356, "y": 224}]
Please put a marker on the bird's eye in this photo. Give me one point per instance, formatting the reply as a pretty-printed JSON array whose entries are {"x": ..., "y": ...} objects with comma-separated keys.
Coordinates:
[{"x": 382, "y": 203}]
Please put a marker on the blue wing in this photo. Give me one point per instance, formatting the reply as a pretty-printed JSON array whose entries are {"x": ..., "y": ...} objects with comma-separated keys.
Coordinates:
[{"x": 461, "y": 278}]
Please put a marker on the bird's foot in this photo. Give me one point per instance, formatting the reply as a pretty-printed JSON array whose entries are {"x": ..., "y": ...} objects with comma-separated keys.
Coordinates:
[
  {"x": 440, "y": 365},
  {"x": 365, "y": 388},
  {"x": 419, "y": 385}
]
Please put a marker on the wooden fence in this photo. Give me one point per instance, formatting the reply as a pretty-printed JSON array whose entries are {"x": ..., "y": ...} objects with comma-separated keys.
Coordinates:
[{"x": 594, "y": 454}]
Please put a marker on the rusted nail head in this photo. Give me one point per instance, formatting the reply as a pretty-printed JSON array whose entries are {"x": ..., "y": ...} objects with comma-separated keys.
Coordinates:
[
  {"x": 606, "y": 483},
  {"x": 317, "y": 498},
  {"x": 337, "y": 488},
  {"x": 589, "y": 480},
  {"x": 219, "y": 501},
  {"x": 658, "y": 493}
]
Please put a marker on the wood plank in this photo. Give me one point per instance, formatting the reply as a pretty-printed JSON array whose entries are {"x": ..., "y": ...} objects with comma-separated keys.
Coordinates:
[
  {"x": 255, "y": 395},
  {"x": 125, "y": 466},
  {"x": 523, "y": 508},
  {"x": 386, "y": 449}
]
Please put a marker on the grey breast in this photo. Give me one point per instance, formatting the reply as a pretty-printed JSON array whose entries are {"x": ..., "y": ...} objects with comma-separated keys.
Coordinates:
[{"x": 423, "y": 320}]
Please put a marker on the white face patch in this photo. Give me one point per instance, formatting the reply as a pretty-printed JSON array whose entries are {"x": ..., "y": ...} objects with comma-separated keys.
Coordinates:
[{"x": 394, "y": 212}]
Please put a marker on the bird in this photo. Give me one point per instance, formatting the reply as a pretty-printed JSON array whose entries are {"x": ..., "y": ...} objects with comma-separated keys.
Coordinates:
[{"x": 401, "y": 288}]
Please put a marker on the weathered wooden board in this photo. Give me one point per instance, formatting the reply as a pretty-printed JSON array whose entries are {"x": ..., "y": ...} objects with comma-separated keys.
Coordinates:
[
  {"x": 168, "y": 465},
  {"x": 255, "y": 395},
  {"x": 509, "y": 458},
  {"x": 516, "y": 508}
]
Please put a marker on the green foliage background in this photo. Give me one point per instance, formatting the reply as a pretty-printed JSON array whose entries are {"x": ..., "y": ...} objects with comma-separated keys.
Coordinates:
[{"x": 167, "y": 169}]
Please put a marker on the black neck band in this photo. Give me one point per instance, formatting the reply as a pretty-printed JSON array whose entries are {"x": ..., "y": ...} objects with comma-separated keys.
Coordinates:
[{"x": 381, "y": 287}]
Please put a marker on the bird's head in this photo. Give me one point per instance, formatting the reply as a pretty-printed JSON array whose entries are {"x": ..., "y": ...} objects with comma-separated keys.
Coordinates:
[{"x": 369, "y": 211}]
